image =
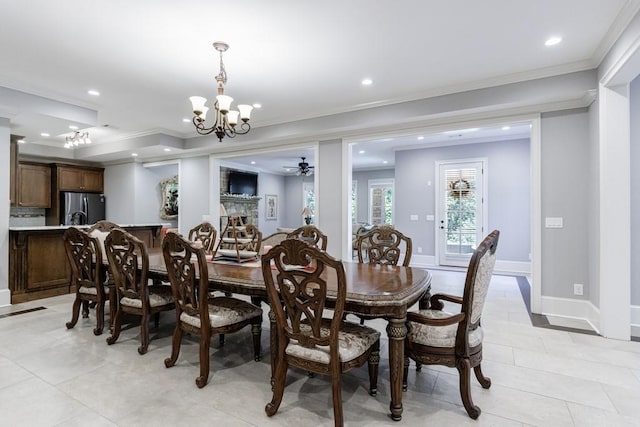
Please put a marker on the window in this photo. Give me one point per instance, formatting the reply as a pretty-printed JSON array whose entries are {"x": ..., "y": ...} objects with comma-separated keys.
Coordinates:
[
  {"x": 354, "y": 201},
  {"x": 381, "y": 201},
  {"x": 309, "y": 196}
]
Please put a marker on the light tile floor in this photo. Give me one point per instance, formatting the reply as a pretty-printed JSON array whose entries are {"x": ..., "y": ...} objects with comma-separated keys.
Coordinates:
[{"x": 51, "y": 376}]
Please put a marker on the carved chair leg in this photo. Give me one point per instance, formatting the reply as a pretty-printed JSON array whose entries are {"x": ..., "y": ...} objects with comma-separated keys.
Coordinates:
[
  {"x": 374, "y": 362},
  {"x": 75, "y": 312},
  {"x": 99, "y": 318},
  {"x": 205, "y": 342},
  {"x": 144, "y": 333},
  {"x": 117, "y": 326},
  {"x": 156, "y": 319},
  {"x": 418, "y": 367},
  {"x": 256, "y": 331},
  {"x": 221, "y": 340},
  {"x": 405, "y": 373},
  {"x": 336, "y": 389},
  {"x": 279, "y": 379},
  {"x": 85, "y": 309},
  {"x": 485, "y": 382},
  {"x": 175, "y": 347},
  {"x": 464, "y": 369}
]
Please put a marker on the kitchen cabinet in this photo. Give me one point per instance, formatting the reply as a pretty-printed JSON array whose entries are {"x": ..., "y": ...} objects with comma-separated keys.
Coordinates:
[
  {"x": 85, "y": 179},
  {"x": 38, "y": 265},
  {"x": 33, "y": 186}
]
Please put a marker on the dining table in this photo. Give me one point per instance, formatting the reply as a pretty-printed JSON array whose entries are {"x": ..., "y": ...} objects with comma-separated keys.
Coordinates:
[{"x": 373, "y": 291}]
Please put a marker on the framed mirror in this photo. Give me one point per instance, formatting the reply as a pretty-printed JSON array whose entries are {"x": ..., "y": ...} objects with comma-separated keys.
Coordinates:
[{"x": 169, "y": 190}]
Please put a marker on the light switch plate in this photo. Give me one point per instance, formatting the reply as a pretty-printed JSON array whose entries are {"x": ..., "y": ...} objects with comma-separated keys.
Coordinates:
[
  {"x": 430, "y": 218},
  {"x": 553, "y": 222},
  {"x": 413, "y": 217}
]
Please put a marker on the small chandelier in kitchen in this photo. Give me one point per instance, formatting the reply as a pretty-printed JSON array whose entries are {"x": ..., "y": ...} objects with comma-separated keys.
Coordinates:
[
  {"x": 226, "y": 120},
  {"x": 78, "y": 138}
]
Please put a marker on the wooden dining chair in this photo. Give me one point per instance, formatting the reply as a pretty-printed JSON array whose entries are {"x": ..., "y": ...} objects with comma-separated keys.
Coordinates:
[
  {"x": 197, "y": 312},
  {"x": 310, "y": 235},
  {"x": 436, "y": 337},
  {"x": 205, "y": 233},
  {"x": 298, "y": 277},
  {"x": 129, "y": 265},
  {"x": 383, "y": 245},
  {"x": 87, "y": 276}
]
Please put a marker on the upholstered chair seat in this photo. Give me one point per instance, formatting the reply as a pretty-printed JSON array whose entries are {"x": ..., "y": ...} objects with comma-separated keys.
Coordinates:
[
  {"x": 353, "y": 342},
  {"x": 224, "y": 311},
  {"x": 440, "y": 336}
]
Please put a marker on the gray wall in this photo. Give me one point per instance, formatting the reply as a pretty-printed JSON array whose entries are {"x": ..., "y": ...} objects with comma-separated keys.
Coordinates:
[
  {"x": 635, "y": 191},
  {"x": 133, "y": 193},
  {"x": 271, "y": 184},
  {"x": 363, "y": 178},
  {"x": 195, "y": 188},
  {"x": 291, "y": 211},
  {"x": 149, "y": 193},
  {"x": 330, "y": 207},
  {"x": 565, "y": 192},
  {"x": 509, "y": 193}
]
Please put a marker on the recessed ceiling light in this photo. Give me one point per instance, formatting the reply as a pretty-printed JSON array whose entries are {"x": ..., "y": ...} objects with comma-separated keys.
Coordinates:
[
  {"x": 253, "y": 163},
  {"x": 461, "y": 131},
  {"x": 256, "y": 105},
  {"x": 21, "y": 141},
  {"x": 385, "y": 162},
  {"x": 367, "y": 82},
  {"x": 134, "y": 154},
  {"x": 167, "y": 149},
  {"x": 552, "y": 41},
  {"x": 44, "y": 134},
  {"x": 421, "y": 137},
  {"x": 73, "y": 127},
  {"x": 186, "y": 120},
  {"x": 361, "y": 151},
  {"x": 506, "y": 127},
  {"x": 93, "y": 92}
]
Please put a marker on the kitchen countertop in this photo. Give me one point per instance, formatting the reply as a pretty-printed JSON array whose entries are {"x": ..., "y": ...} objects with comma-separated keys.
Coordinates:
[{"x": 64, "y": 227}]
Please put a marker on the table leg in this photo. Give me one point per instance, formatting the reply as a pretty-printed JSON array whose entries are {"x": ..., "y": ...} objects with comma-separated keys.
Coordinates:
[
  {"x": 273, "y": 343},
  {"x": 396, "y": 332}
]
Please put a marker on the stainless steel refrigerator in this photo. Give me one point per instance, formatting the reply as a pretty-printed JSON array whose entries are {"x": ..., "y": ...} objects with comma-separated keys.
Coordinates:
[{"x": 81, "y": 208}]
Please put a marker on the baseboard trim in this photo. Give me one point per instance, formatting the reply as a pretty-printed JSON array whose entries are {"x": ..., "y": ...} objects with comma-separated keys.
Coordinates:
[
  {"x": 515, "y": 268},
  {"x": 635, "y": 320},
  {"x": 5, "y": 297},
  {"x": 572, "y": 309}
]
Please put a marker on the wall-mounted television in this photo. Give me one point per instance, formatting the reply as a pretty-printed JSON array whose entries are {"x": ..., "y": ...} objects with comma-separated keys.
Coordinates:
[{"x": 243, "y": 183}]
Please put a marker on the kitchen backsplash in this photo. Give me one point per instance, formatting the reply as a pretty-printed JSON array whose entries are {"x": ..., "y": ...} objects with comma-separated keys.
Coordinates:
[{"x": 27, "y": 217}]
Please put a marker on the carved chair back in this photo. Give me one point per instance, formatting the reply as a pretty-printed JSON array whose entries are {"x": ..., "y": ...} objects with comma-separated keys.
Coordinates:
[
  {"x": 256, "y": 238},
  {"x": 384, "y": 245},
  {"x": 205, "y": 233},
  {"x": 298, "y": 293},
  {"x": 128, "y": 262},
  {"x": 310, "y": 235},
  {"x": 82, "y": 252},
  {"x": 476, "y": 287},
  {"x": 187, "y": 269}
]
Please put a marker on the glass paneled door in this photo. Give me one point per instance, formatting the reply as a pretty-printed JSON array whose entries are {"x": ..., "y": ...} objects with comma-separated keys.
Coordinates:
[{"x": 461, "y": 218}]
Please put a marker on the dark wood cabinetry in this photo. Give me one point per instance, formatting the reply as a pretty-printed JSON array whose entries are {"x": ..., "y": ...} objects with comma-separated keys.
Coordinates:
[
  {"x": 33, "y": 186},
  {"x": 38, "y": 266},
  {"x": 82, "y": 179},
  {"x": 71, "y": 178}
]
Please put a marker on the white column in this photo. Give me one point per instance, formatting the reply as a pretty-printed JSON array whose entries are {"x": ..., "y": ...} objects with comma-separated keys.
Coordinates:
[
  {"x": 329, "y": 198},
  {"x": 5, "y": 158},
  {"x": 615, "y": 212}
]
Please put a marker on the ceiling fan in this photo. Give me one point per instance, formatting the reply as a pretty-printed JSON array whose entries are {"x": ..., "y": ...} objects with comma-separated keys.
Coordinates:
[{"x": 303, "y": 168}]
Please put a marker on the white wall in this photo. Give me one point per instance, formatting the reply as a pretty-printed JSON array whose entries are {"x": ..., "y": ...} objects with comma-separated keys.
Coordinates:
[
  {"x": 635, "y": 190},
  {"x": 120, "y": 190},
  {"x": 329, "y": 201}
]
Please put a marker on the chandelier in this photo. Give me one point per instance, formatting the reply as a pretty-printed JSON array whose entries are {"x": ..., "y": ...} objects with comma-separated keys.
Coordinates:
[
  {"x": 78, "y": 138},
  {"x": 226, "y": 120}
]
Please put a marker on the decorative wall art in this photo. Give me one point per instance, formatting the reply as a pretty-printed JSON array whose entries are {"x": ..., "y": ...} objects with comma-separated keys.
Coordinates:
[
  {"x": 271, "y": 206},
  {"x": 169, "y": 190}
]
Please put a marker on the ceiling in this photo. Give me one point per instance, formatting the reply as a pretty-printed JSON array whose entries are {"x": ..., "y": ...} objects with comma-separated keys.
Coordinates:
[{"x": 297, "y": 59}]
